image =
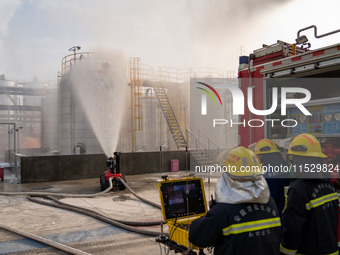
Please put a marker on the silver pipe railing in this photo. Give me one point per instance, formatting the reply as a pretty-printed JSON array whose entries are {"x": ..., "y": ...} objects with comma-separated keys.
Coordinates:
[{"x": 315, "y": 32}]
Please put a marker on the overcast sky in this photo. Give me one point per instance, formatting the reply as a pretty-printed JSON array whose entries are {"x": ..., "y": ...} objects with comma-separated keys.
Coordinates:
[{"x": 36, "y": 34}]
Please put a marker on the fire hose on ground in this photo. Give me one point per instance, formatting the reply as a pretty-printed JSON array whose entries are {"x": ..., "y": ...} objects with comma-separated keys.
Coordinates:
[
  {"x": 63, "y": 205},
  {"x": 48, "y": 242},
  {"x": 137, "y": 196},
  {"x": 29, "y": 193},
  {"x": 83, "y": 195},
  {"x": 118, "y": 223},
  {"x": 126, "y": 225}
]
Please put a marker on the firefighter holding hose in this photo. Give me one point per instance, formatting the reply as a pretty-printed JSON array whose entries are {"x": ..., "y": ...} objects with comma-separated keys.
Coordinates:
[
  {"x": 310, "y": 218},
  {"x": 244, "y": 220}
]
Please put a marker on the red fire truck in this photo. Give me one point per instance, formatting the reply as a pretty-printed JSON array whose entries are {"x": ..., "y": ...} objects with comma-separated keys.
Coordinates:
[{"x": 275, "y": 66}]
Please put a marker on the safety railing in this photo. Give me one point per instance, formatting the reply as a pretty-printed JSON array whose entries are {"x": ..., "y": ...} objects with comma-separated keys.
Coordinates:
[
  {"x": 204, "y": 152},
  {"x": 207, "y": 141},
  {"x": 165, "y": 140},
  {"x": 180, "y": 75},
  {"x": 177, "y": 75},
  {"x": 70, "y": 60}
]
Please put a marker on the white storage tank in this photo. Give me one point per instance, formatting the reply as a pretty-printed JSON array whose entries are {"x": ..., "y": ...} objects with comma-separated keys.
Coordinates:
[
  {"x": 32, "y": 100},
  {"x": 75, "y": 132}
]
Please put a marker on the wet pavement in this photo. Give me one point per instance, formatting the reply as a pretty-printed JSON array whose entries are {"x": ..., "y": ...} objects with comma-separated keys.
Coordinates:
[{"x": 80, "y": 231}]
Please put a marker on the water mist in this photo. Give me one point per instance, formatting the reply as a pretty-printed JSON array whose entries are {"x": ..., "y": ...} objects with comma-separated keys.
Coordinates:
[{"x": 100, "y": 84}]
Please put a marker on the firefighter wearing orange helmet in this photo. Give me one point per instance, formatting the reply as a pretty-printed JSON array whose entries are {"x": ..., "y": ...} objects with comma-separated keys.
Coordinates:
[
  {"x": 271, "y": 157},
  {"x": 310, "y": 218},
  {"x": 244, "y": 219}
]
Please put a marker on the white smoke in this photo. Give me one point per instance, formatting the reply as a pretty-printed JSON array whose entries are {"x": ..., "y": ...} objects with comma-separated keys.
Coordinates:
[{"x": 7, "y": 11}]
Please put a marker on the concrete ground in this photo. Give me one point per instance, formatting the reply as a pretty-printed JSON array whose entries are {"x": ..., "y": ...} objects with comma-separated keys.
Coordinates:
[{"x": 80, "y": 231}]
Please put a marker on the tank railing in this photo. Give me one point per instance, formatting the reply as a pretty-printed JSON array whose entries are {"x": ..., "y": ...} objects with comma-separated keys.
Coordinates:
[
  {"x": 73, "y": 59},
  {"x": 167, "y": 139},
  {"x": 176, "y": 75},
  {"x": 146, "y": 72},
  {"x": 179, "y": 75},
  {"x": 70, "y": 60}
]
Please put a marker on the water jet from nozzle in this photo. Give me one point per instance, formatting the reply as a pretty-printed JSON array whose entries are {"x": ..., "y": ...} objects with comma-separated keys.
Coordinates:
[{"x": 100, "y": 84}]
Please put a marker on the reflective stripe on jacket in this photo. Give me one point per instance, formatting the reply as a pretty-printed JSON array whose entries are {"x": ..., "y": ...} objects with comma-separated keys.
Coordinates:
[
  {"x": 310, "y": 219},
  {"x": 239, "y": 229}
]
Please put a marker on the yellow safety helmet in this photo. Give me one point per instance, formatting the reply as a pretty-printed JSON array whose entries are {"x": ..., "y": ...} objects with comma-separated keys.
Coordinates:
[
  {"x": 265, "y": 146},
  {"x": 306, "y": 145},
  {"x": 242, "y": 162}
]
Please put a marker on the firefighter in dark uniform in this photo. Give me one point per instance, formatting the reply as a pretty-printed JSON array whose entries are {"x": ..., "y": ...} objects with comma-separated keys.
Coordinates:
[
  {"x": 270, "y": 156},
  {"x": 310, "y": 218},
  {"x": 244, "y": 219}
]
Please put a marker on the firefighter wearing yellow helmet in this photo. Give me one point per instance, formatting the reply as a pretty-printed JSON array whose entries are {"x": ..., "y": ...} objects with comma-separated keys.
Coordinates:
[
  {"x": 306, "y": 145},
  {"x": 265, "y": 146},
  {"x": 310, "y": 219},
  {"x": 271, "y": 158},
  {"x": 242, "y": 162},
  {"x": 244, "y": 219}
]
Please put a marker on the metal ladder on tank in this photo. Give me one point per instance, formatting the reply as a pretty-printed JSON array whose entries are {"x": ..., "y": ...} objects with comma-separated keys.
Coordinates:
[{"x": 171, "y": 118}]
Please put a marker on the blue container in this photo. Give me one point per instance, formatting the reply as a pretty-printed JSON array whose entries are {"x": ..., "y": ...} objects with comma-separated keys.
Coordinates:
[{"x": 243, "y": 60}]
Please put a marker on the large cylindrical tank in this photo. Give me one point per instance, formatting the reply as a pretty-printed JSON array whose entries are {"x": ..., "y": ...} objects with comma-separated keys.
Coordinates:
[
  {"x": 49, "y": 124},
  {"x": 156, "y": 132},
  {"x": 91, "y": 104},
  {"x": 76, "y": 135},
  {"x": 155, "y": 128},
  {"x": 31, "y": 134},
  {"x": 32, "y": 100}
]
